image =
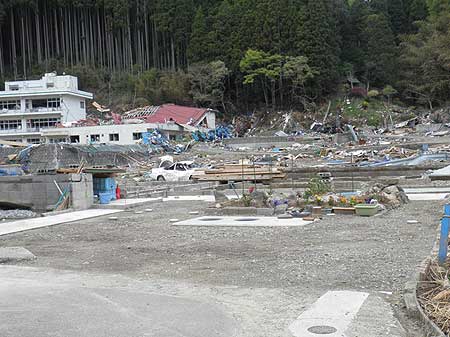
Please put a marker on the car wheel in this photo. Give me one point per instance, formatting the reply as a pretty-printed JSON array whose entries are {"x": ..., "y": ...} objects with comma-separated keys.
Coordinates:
[{"x": 161, "y": 178}]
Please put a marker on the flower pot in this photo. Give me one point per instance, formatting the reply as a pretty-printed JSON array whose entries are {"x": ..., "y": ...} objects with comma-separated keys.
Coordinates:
[{"x": 366, "y": 209}]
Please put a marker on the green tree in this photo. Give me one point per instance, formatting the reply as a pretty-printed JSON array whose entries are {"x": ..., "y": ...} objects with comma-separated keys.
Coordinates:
[
  {"x": 389, "y": 91},
  {"x": 208, "y": 84},
  {"x": 262, "y": 66},
  {"x": 298, "y": 73},
  {"x": 380, "y": 50},
  {"x": 199, "y": 44},
  {"x": 318, "y": 41},
  {"x": 426, "y": 59}
]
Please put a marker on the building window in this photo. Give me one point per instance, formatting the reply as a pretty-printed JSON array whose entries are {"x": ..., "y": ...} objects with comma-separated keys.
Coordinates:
[
  {"x": 10, "y": 105},
  {"x": 75, "y": 139},
  {"x": 82, "y": 105},
  {"x": 57, "y": 140},
  {"x": 37, "y": 104},
  {"x": 50, "y": 85},
  {"x": 14, "y": 87},
  {"x": 53, "y": 103},
  {"x": 33, "y": 140},
  {"x": 10, "y": 124},
  {"x": 95, "y": 138},
  {"x": 42, "y": 123},
  {"x": 172, "y": 137},
  {"x": 137, "y": 135},
  {"x": 113, "y": 137}
]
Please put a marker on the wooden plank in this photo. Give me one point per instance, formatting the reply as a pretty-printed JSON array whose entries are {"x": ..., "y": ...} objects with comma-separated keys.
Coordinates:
[
  {"x": 248, "y": 177},
  {"x": 246, "y": 171},
  {"x": 13, "y": 144}
]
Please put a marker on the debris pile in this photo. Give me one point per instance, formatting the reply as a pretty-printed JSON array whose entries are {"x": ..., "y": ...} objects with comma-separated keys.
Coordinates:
[
  {"x": 434, "y": 296},
  {"x": 17, "y": 214},
  {"x": 240, "y": 172},
  {"x": 391, "y": 196}
]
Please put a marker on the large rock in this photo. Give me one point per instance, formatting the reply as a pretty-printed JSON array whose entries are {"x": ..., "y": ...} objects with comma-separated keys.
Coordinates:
[{"x": 394, "y": 196}]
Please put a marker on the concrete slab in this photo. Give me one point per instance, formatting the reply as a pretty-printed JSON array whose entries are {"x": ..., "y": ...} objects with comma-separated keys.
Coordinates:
[
  {"x": 43, "y": 302},
  {"x": 24, "y": 225},
  {"x": 128, "y": 203},
  {"x": 331, "y": 314},
  {"x": 241, "y": 221},
  {"x": 15, "y": 254},
  {"x": 427, "y": 196},
  {"x": 206, "y": 198},
  {"x": 445, "y": 189},
  {"x": 375, "y": 318}
]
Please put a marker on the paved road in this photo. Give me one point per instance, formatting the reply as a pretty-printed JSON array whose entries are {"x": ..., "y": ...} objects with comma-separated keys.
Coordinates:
[{"x": 38, "y": 302}]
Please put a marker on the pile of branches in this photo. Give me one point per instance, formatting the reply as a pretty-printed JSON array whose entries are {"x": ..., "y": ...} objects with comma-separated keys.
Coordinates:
[{"x": 434, "y": 296}]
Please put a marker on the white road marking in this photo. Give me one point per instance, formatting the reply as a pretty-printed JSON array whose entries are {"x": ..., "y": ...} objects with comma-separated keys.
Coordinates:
[
  {"x": 206, "y": 198},
  {"x": 427, "y": 196},
  {"x": 23, "y": 225},
  {"x": 335, "y": 309}
]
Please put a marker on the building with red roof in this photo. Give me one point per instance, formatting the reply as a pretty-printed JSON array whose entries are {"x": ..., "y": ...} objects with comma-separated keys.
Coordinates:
[{"x": 172, "y": 113}]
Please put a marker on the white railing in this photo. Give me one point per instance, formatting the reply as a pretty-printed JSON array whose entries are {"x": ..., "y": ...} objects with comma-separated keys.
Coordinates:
[
  {"x": 16, "y": 131},
  {"x": 27, "y": 111}
]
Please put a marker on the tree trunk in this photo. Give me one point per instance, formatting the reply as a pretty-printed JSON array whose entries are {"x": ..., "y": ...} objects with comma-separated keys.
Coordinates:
[
  {"x": 2, "y": 62},
  {"x": 274, "y": 96},
  {"x": 38, "y": 37},
  {"x": 24, "y": 59},
  {"x": 13, "y": 45}
]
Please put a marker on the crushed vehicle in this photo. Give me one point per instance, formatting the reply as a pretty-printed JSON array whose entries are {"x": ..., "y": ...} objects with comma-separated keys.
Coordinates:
[{"x": 179, "y": 171}]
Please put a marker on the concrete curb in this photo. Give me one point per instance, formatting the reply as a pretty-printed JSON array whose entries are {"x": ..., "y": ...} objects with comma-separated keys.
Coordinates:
[
  {"x": 239, "y": 211},
  {"x": 413, "y": 307}
]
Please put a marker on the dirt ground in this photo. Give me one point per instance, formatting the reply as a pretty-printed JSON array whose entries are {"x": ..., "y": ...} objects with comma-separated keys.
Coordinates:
[
  {"x": 340, "y": 251},
  {"x": 374, "y": 254}
]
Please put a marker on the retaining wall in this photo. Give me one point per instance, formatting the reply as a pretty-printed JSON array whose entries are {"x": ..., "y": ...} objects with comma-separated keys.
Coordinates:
[{"x": 39, "y": 192}]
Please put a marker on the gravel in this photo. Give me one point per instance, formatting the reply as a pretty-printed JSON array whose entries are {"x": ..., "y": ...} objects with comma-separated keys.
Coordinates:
[
  {"x": 338, "y": 252},
  {"x": 16, "y": 214}
]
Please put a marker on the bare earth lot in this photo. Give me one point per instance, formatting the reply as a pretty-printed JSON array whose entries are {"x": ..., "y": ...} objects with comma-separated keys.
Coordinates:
[{"x": 261, "y": 278}]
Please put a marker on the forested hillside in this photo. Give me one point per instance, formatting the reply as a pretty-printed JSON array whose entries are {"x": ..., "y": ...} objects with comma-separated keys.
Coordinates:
[{"x": 232, "y": 54}]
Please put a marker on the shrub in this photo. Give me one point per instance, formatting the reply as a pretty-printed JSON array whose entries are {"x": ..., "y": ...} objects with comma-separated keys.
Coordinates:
[{"x": 317, "y": 187}]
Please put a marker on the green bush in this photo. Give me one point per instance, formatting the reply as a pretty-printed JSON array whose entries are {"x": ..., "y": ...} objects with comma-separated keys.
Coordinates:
[{"x": 317, "y": 186}]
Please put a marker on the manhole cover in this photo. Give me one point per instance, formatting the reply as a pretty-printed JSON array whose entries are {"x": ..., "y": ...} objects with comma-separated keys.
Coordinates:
[
  {"x": 210, "y": 219},
  {"x": 322, "y": 329},
  {"x": 246, "y": 219}
]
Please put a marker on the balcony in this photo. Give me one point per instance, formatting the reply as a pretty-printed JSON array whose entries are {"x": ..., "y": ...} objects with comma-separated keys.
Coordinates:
[
  {"x": 18, "y": 131},
  {"x": 34, "y": 111}
]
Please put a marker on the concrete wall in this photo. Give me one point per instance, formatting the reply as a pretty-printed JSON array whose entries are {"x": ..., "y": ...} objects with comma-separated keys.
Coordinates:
[
  {"x": 71, "y": 108},
  {"x": 40, "y": 193}
]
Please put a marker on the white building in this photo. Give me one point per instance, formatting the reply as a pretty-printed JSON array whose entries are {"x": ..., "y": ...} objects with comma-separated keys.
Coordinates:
[
  {"x": 27, "y": 107},
  {"x": 120, "y": 134}
]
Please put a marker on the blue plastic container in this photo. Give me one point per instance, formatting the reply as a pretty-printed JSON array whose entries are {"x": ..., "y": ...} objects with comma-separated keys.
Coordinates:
[{"x": 105, "y": 198}]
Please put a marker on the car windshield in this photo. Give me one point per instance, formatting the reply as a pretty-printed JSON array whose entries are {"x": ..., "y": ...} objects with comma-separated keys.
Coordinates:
[{"x": 180, "y": 167}]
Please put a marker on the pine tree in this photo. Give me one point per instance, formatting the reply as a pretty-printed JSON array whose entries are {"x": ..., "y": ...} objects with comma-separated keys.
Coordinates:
[
  {"x": 318, "y": 41},
  {"x": 379, "y": 50}
]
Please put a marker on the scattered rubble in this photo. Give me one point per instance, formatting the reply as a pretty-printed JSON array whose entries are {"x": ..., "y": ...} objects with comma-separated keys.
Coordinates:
[{"x": 17, "y": 214}]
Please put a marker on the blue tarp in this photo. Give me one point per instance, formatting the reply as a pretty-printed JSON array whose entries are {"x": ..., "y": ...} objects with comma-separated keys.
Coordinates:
[
  {"x": 157, "y": 138},
  {"x": 221, "y": 132}
]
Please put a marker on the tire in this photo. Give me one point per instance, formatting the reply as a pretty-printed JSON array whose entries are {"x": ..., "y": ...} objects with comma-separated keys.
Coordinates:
[{"x": 161, "y": 178}]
